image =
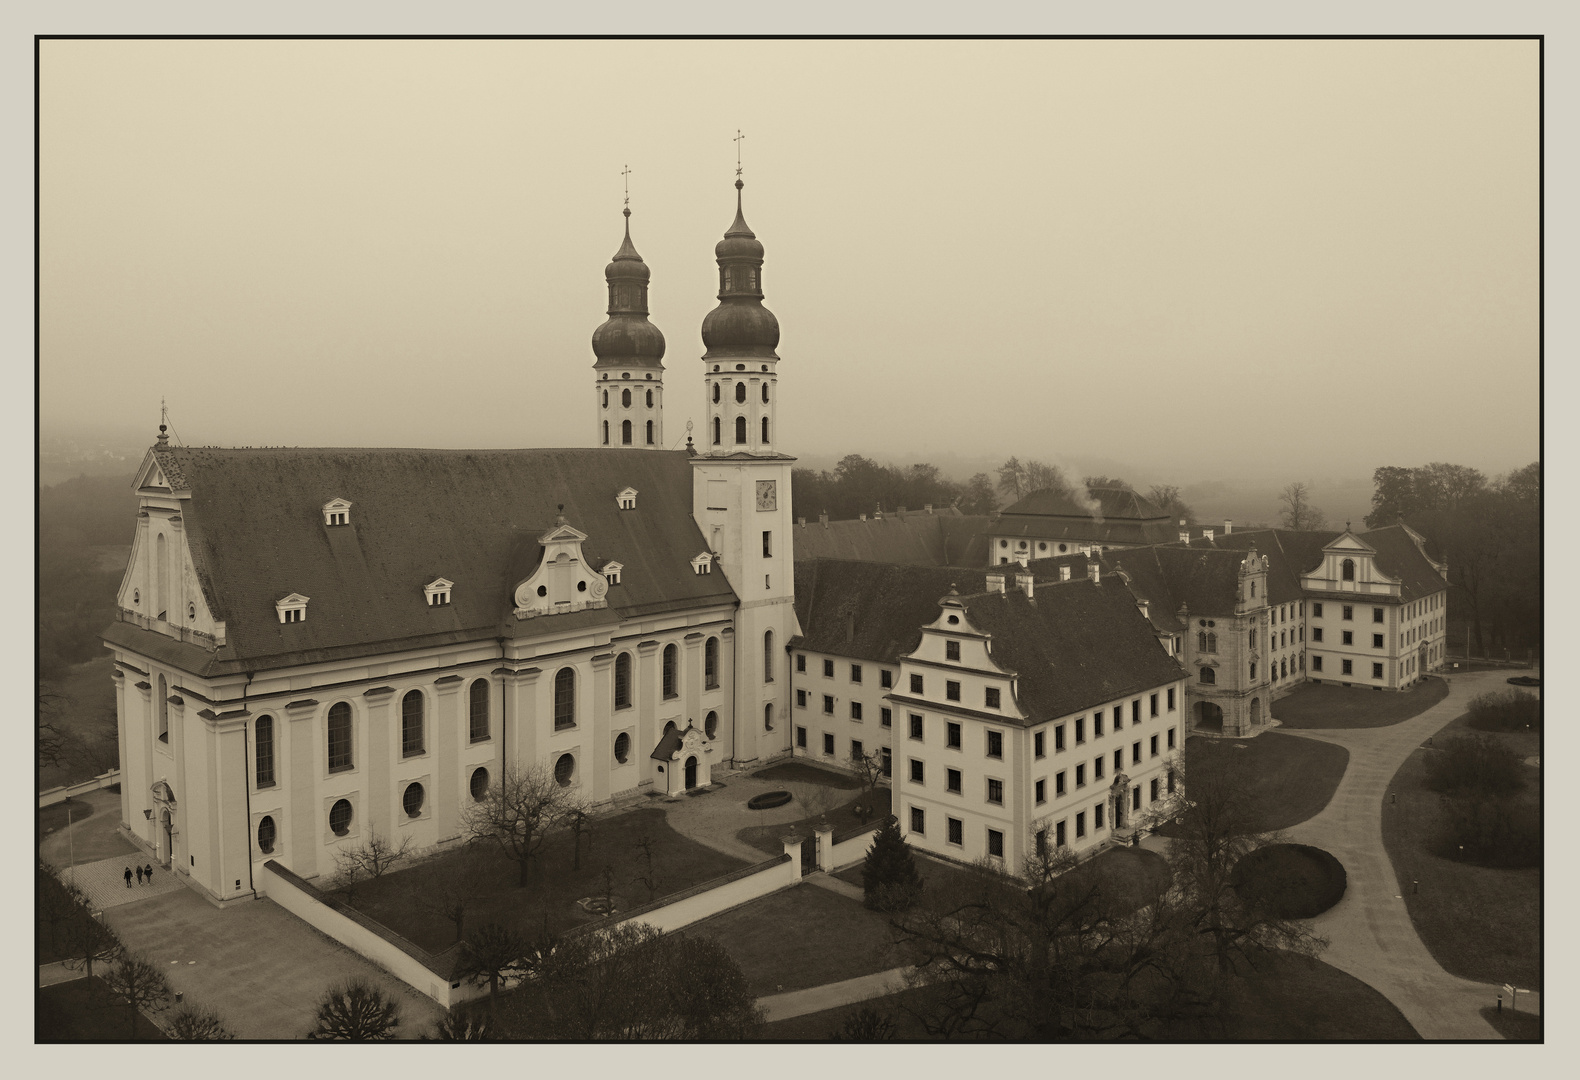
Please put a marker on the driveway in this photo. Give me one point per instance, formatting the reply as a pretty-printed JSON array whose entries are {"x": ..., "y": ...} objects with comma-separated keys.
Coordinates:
[
  {"x": 714, "y": 817},
  {"x": 1372, "y": 936},
  {"x": 255, "y": 964}
]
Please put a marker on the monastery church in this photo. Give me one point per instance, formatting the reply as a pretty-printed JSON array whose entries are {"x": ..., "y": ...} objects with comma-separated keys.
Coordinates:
[{"x": 313, "y": 645}]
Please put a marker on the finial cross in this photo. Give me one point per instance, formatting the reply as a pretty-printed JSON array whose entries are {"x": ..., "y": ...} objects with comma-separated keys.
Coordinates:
[
  {"x": 626, "y": 172},
  {"x": 738, "y": 138}
]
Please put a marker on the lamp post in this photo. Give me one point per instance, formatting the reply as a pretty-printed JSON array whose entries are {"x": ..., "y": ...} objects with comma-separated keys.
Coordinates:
[{"x": 71, "y": 844}]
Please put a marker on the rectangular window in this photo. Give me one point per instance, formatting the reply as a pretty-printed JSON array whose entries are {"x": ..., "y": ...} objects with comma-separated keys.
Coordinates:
[
  {"x": 800, "y": 737},
  {"x": 1253, "y": 671},
  {"x": 1349, "y": 638},
  {"x": 995, "y": 792},
  {"x": 828, "y": 669},
  {"x": 1377, "y": 671},
  {"x": 886, "y": 716},
  {"x": 1153, "y": 746},
  {"x": 1316, "y": 663},
  {"x": 768, "y": 544},
  {"x": 1080, "y": 729},
  {"x": 995, "y": 843},
  {"x": 800, "y": 663},
  {"x": 888, "y": 761},
  {"x": 1316, "y": 633},
  {"x": 1037, "y": 744},
  {"x": 952, "y": 735},
  {"x": 1042, "y": 791},
  {"x": 1058, "y": 834},
  {"x": 1119, "y": 759},
  {"x": 800, "y": 699},
  {"x": 1152, "y": 705},
  {"x": 1080, "y": 776},
  {"x": 1097, "y": 768},
  {"x": 1119, "y": 717},
  {"x": 828, "y": 705},
  {"x": 1058, "y": 737},
  {"x": 828, "y": 745},
  {"x": 1135, "y": 797},
  {"x": 1135, "y": 753},
  {"x": 856, "y": 753},
  {"x": 1171, "y": 738},
  {"x": 951, "y": 650},
  {"x": 916, "y": 727},
  {"x": 995, "y": 744},
  {"x": 952, "y": 781},
  {"x": 1153, "y": 793},
  {"x": 1058, "y": 783},
  {"x": 916, "y": 684},
  {"x": 952, "y": 690},
  {"x": 1171, "y": 699},
  {"x": 1316, "y": 611},
  {"x": 1171, "y": 781},
  {"x": 1348, "y": 613},
  {"x": 1377, "y": 641},
  {"x": 918, "y": 820},
  {"x": 1080, "y": 824},
  {"x": 1097, "y": 725},
  {"x": 990, "y": 698},
  {"x": 1348, "y": 668},
  {"x": 886, "y": 679},
  {"x": 855, "y": 673},
  {"x": 1097, "y": 817},
  {"x": 917, "y": 771},
  {"x": 1135, "y": 711},
  {"x": 1377, "y": 614},
  {"x": 855, "y": 710},
  {"x": 957, "y": 831}
]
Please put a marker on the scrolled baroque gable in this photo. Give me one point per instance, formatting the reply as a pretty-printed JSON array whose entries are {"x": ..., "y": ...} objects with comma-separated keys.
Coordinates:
[{"x": 563, "y": 581}]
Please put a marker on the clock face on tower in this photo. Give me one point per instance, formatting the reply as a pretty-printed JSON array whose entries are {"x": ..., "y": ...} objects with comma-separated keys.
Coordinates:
[{"x": 767, "y": 498}]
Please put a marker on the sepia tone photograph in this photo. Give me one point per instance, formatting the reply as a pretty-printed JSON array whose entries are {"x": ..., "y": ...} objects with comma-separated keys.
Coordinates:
[{"x": 751, "y": 539}]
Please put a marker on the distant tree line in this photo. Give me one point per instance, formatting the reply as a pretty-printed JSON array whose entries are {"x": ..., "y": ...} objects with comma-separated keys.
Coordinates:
[{"x": 76, "y": 598}]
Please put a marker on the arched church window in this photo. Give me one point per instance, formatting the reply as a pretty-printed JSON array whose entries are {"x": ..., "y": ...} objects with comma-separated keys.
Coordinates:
[
  {"x": 768, "y": 656},
  {"x": 263, "y": 752},
  {"x": 740, "y": 393},
  {"x": 1201, "y": 641},
  {"x": 625, "y": 399},
  {"x": 565, "y": 698},
  {"x": 606, "y": 399},
  {"x": 1347, "y": 569},
  {"x": 625, "y": 433},
  {"x": 740, "y": 429},
  {"x": 622, "y": 681},
  {"x": 671, "y": 671},
  {"x": 478, "y": 710},
  {"x": 765, "y": 429},
  {"x": 710, "y": 664},
  {"x": 768, "y": 716},
  {"x": 650, "y": 433},
  {"x": 164, "y": 710},
  {"x": 606, "y": 432},
  {"x": 1208, "y": 675},
  {"x": 411, "y": 724},
  {"x": 339, "y": 736},
  {"x": 765, "y": 393},
  {"x": 650, "y": 399},
  {"x": 716, "y": 423},
  {"x": 715, "y": 393}
]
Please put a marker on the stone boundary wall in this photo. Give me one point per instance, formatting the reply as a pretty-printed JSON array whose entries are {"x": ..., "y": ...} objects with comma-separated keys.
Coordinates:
[
  {"x": 670, "y": 913},
  {"x": 61, "y": 794},
  {"x": 850, "y": 846}
]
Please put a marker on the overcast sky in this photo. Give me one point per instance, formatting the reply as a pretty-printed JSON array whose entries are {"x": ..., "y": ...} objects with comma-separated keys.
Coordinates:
[{"x": 1234, "y": 258}]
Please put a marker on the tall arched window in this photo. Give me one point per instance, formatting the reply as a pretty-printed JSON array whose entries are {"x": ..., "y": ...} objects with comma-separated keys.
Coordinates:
[
  {"x": 411, "y": 724},
  {"x": 1253, "y": 588},
  {"x": 716, "y": 423},
  {"x": 162, "y": 595},
  {"x": 622, "y": 681},
  {"x": 740, "y": 429},
  {"x": 740, "y": 393},
  {"x": 625, "y": 399},
  {"x": 765, "y": 393},
  {"x": 625, "y": 433},
  {"x": 1346, "y": 569},
  {"x": 768, "y": 656},
  {"x": 765, "y": 429},
  {"x": 671, "y": 671},
  {"x": 1201, "y": 641},
  {"x": 1212, "y": 641},
  {"x": 715, "y": 393},
  {"x": 650, "y": 399},
  {"x": 1208, "y": 675},
  {"x": 606, "y": 399},
  {"x": 479, "y": 710},
  {"x": 1250, "y": 640},
  {"x": 650, "y": 433},
  {"x": 339, "y": 736},
  {"x": 163, "y": 706},
  {"x": 565, "y": 698},
  {"x": 710, "y": 663},
  {"x": 606, "y": 433},
  {"x": 263, "y": 752}
]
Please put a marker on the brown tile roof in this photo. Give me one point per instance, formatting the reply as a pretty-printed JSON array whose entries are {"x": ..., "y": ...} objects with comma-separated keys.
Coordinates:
[
  {"x": 917, "y": 539},
  {"x": 256, "y": 533},
  {"x": 890, "y": 605}
]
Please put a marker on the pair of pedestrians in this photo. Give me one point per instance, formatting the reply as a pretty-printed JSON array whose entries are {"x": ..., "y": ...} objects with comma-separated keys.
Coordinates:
[{"x": 142, "y": 872}]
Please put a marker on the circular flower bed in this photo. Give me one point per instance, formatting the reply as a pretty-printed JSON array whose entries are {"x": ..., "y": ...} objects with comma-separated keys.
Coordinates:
[
  {"x": 1291, "y": 881},
  {"x": 768, "y": 800}
]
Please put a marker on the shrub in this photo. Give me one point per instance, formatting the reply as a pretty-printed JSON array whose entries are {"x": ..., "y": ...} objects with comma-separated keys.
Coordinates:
[
  {"x": 1290, "y": 881},
  {"x": 1475, "y": 765},
  {"x": 1486, "y": 831},
  {"x": 1510, "y": 710},
  {"x": 356, "y": 1010},
  {"x": 866, "y": 1024},
  {"x": 888, "y": 877},
  {"x": 192, "y": 1024}
]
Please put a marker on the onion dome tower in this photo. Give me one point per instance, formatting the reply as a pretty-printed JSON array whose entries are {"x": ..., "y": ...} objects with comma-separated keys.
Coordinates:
[
  {"x": 629, "y": 371},
  {"x": 740, "y": 366}
]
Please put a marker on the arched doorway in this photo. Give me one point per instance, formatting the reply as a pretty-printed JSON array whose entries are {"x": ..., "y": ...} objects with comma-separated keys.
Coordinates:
[
  {"x": 691, "y": 773},
  {"x": 166, "y": 835},
  {"x": 1256, "y": 711},
  {"x": 1209, "y": 717}
]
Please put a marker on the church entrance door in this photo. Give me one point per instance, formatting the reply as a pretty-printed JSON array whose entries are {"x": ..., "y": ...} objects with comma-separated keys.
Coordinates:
[
  {"x": 691, "y": 773},
  {"x": 165, "y": 832}
]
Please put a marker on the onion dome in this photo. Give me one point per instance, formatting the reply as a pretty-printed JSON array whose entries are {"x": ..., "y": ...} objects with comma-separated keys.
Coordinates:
[
  {"x": 627, "y": 339},
  {"x": 740, "y": 325}
]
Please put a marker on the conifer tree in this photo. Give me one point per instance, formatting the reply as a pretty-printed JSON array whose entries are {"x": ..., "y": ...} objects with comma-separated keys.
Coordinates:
[{"x": 889, "y": 878}]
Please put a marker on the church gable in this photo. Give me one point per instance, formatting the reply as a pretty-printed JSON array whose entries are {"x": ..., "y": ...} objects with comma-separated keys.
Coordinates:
[
  {"x": 563, "y": 582},
  {"x": 162, "y": 589},
  {"x": 1349, "y": 564}
]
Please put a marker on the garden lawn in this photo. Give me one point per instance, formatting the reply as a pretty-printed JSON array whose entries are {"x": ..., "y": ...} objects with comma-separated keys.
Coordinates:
[
  {"x": 770, "y": 838},
  {"x": 829, "y": 1022},
  {"x": 1481, "y": 923},
  {"x": 54, "y": 818},
  {"x": 1331, "y": 706},
  {"x": 935, "y": 873},
  {"x": 799, "y": 772},
  {"x": 1291, "y": 778},
  {"x": 84, "y": 1010},
  {"x": 87, "y": 695},
  {"x": 554, "y": 887},
  {"x": 1295, "y": 999},
  {"x": 802, "y": 936},
  {"x": 1514, "y": 1026}
]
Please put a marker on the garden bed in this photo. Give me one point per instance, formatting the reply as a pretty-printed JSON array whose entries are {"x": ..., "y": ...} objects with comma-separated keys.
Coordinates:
[
  {"x": 1292, "y": 881},
  {"x": 1330, "y": 706}
]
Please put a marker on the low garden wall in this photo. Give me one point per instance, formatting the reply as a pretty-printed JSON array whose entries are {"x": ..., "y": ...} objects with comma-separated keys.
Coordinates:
[
  {"x": 418, "y": 968},
  {"x": 844, "y": 848},
  {"x": 61, "y": 794},
  {"x": 703, "y": 901}
]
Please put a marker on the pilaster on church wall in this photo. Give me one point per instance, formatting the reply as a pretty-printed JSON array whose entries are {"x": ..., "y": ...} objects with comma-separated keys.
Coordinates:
[
  {"x": 450, "y": 737},
  {"x": 383, "y": 739},
  {"x": 129, "y": 772},
  {"x": 646, "y": 683},
  {"x": 523, "y": 748},
  {"x": 596, "y": 755},
  {"x": 229, "y": 846},
  {"x": 303, "y": 781}
]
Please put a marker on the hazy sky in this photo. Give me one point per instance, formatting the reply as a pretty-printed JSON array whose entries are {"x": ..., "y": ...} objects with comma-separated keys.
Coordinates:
[{"x": 1207, "y": 258}]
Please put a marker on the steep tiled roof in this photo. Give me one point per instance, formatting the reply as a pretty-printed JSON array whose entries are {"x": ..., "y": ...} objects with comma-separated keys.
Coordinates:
[
  {"x": 890, "y": 604},
  {"x": 917, "y": 539},
  {"x": 256, "y": 532},
  {"x": 1079, "y": 645},
  {"x": 1115, "y": 516},
  {"x": 1399, "y": 557},
  {"x": 1289, "y": 552}
]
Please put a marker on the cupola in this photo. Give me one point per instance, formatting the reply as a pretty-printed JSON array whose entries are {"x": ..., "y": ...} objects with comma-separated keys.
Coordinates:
[
  {"x": 628, "y": 349},
  {"x": 740, "y": 326}
]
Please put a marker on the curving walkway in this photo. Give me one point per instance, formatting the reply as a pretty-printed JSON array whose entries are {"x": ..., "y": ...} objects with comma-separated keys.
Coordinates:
[{"x": 1372, "y": 936}]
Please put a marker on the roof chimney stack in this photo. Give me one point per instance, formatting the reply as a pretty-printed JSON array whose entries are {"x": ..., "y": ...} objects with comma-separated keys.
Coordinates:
[
  {"x": 1025, "y": 583},
  {"x": 1228, "y": 526},
  {"x": 1184, "y": 536},
  {"x": 1064, "y": 573},
  {"x": 1092, "y": 571},
  {"x": 995, "y": 583},
  {"x": 822, "y": 519},
  {"x": 1207, "y": 535}
]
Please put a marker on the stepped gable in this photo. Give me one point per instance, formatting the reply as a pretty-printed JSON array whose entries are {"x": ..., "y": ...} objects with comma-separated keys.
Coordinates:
[
  {"x": 256, "y": 531},
  {"x": 1078, "y": 646},
  {"x": 890, "y": 604}
]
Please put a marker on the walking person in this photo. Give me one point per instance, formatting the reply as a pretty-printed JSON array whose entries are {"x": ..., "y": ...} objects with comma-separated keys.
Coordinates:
[
  {"x": 139, "y": 875},
  {"x": 128, "y": 876},
  {"x": 148, "y": 871}
]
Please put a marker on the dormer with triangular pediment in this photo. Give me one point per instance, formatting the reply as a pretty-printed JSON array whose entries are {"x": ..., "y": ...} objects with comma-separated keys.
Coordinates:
[
  {"x": 337, "y": 512},
  {"x": 563, "y": 581},
  {"x": 1349, "y": 565},
  {"x": 626, "y": 499}
]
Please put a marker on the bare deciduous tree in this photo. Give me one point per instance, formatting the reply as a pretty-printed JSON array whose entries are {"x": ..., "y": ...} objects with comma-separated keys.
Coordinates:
[
  {"x": 869, "y": 770},
  {"x": 449, "y": 885},
  {"x": 191, "y": 1024},
  {"x": 491, "y": 954},
  {"x": 370, "y": 860},
  {"x": 88, "y": 940},
  {"x": 519, "y": 812},
  {"x": 140, "y": 985},
  {"x": 1298, "y": 513},
  {"x": 356, "y": 1011}
]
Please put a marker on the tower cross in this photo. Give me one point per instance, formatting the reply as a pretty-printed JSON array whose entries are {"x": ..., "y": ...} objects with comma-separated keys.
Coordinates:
[
  {"x": 626, "y": 172},
  {"x": 738, "y": 138}
]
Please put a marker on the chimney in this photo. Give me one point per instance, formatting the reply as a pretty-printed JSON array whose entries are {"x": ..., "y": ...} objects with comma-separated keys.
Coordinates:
[
  {"x": 928, "y": 508},
  {"x": 1207, "y": 534},
  {"x": 1024, "y": 583},
  {"x": 1021, "y": 558},
  {"x": 1064, "y": 573},
  {"x": 1228, "y": 526},
  {"x": 1093, "y": 569},
  {"x": 822, "y": 519},
  {"x": 995, "y": 583},
  {"x": 1184, "y": 536}
]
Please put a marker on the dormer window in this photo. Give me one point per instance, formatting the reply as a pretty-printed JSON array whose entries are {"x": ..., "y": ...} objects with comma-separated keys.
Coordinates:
[
  {"x": 438, "y": 592},
  {"x": 611, "y": 572},
  {"x": 337, "y": 512},
  {"x": 627, "y": 499},
  {"x": 292, "y": 608},
  {"x": 703, "y": 564}
]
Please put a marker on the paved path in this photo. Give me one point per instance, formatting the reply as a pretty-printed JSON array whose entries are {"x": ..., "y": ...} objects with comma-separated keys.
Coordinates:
[
  {"x": 104, "y": 882},
  {"x": 95, "y": 837},
  {"x": 1372, "y": 936},
  {"x": 830, "y": 995},
  {"x": 712, "y": 819}
]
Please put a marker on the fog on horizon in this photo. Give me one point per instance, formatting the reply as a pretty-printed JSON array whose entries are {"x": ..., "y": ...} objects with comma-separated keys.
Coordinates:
[{"x": 1208, "y": 258}]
